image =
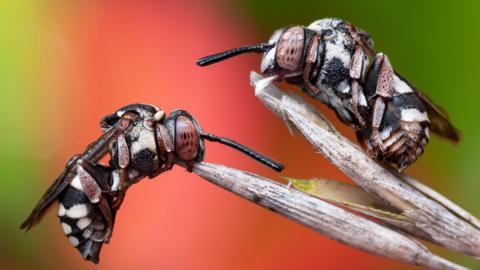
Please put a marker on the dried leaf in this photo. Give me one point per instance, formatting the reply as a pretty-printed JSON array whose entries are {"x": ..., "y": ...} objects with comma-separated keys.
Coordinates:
[{"x": 349, "y": 196}]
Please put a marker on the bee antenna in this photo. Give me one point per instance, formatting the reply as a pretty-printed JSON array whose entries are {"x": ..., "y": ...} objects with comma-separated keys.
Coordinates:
[
  {"x": 249, "y": 152},
  {"x": 211, "y": 59}
]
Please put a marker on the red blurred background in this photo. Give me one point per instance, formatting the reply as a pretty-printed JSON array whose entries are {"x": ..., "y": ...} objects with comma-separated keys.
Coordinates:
[{"x": 97, "y": 56}]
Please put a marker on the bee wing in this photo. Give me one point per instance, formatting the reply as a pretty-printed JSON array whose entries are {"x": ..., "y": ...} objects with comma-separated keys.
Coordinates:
[
  {"x": 440, "y": 124},
  {"x": 93, "y": 153},
  {"x": 48, "y": 198}
]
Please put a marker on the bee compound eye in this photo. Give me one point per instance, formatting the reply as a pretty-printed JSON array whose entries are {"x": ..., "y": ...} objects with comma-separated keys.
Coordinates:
[
  {"x": 186, "y": 139},
  {"x": 290, "y": 48}
]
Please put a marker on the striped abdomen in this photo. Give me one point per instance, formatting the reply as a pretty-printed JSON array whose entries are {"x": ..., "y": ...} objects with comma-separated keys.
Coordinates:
[
  {"x": 404, "y": 129},
  {"x": 82, "y": 221}
]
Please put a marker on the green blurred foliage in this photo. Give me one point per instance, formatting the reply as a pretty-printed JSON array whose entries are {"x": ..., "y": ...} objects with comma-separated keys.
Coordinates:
[
  {"x": 19, "y": 100},
  {"x": 432, "y": 43}
]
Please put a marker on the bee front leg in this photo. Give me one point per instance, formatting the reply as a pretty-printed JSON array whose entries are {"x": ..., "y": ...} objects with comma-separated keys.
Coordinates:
[
  {"x": 310, "y": 61},
  {"x": 377, "y": 117},
  {"x": 123, "y": 154},
  {"x": 91, "y": 178},
  {"x": 383, "y": 92},
  {"x": 361, "y": 37},
  {"x": 166, "y": 149},
  {"x": 357, "y": 67}
]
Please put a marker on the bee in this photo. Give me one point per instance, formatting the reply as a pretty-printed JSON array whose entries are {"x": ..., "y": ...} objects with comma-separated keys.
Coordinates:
[
  {"x": 329, "y": 61},
  {"x": 141, "y": 142}
]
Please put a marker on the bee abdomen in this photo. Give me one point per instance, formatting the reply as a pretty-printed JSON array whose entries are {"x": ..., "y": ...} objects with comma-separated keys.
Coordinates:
[
  {"x": 82, "y": 222},
  {"x": 404, "y": 132},
  {"x": 404, "y": 147}
]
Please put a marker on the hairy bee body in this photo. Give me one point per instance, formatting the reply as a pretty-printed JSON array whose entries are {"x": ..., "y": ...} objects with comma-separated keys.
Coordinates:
[
  {"x": 136, "y": 155},
  {"x": 141, "y": 142},
  {"x": 404, "y": 127},
  {"x": 331, "y": 73},
  {"x": 329, "y": 60},
  {"x": 82, "y": 222}
]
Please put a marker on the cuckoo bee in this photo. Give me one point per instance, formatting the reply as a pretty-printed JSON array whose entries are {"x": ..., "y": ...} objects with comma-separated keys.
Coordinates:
[
  {"x": 329, "y": 60},
  {"x": 141, "y": 142}
]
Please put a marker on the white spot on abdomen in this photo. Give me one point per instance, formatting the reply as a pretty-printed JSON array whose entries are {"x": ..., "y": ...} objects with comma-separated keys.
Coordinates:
[
  {"x": 77, "y": 211},
  {"x": 66, "y": 228},
  {"x": 400, "y": 86},
  {"x": 74, "y": 241},
  {"x": 83, "y": 223},
  {"x": 413, "y": 115},
  {"x": 61, "y": 210}
]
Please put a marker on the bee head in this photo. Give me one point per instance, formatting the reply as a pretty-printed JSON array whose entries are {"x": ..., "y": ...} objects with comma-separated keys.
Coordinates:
[
  {"x": 283, "y": 53},
  {"x": 185, "y": 132},
  {"x": 286, "y": 54},
  {"x": 135, "y": 112},
  {"x": 188, "y": 139}
]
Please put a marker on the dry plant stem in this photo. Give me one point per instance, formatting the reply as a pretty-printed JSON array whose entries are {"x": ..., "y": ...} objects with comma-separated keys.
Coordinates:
[
  {"x": 454, "y": 208},
  {"x": 445, "y": 226},
  {"x": 323, "y": 217}
]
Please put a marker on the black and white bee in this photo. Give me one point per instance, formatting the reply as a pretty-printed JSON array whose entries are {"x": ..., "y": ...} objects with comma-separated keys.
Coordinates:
[
  {"x": 329, "y": 60},
  {"x": 142, "y": 142}
]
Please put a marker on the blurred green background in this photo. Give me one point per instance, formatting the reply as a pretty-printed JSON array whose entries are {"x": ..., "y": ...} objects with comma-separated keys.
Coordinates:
[{"x": 45, "y": 45}]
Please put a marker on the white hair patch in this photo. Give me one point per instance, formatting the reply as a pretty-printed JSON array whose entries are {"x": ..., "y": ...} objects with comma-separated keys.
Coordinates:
[
  {"x": 76, "y": 183},
  {"x": 74, "y": 241},
  {"x": 83, "y": 223},
  {"x": 362, "y": 100},
  {"x": 146, "y": 140},
  {"x": 268, "y": 60},
  {"x": 66, "y": 228},
  {"x": 413, "y": 115},
  {"x": 61, "y": 210},
  {"x": 385, "y": 133},
  {"x": 400, "y": 86},
  {"x": 77, "y": 211},
  {"x": 116, "y": 180}
]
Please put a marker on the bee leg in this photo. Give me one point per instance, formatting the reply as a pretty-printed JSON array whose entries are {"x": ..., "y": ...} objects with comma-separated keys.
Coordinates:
[
  {"x": 310, "y": 61},
  {"x": 90, "y": 176},
  {"x": 166, "y": 149},
  {"x": 384, "y": 92},
  {"x": 123, "y": 154},
  {"x": 123, "y": 151},
  {"x": 378, "y": 112},
  {"x": 359, "y": 61},
  {"x": 361, "y": 38},
  {"x": 385, "y": 77},
  {"x": 355, "y": 103}
]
